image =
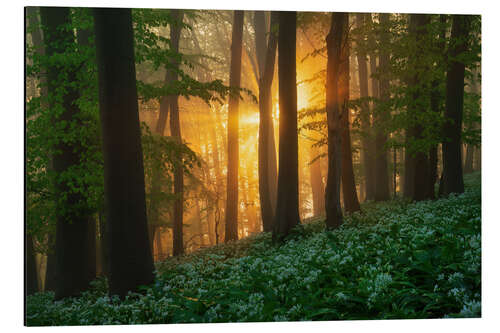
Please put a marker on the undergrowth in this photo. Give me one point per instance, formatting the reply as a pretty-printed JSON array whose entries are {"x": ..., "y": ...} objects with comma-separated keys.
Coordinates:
[{"x": 395, "y": 260}]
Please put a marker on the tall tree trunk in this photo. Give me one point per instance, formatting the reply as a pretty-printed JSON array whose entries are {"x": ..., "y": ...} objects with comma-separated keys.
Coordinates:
[
  {"x": 131, "y": 261},
  {"x": 267, "y": 150},
  {"x": 381, "y": 117},
  {"x": 469, "y": 157},
  {"x": 436, "y": 99},
  {"x": 375, "y": 93},
  {"x": 217, "y": 181},
  {"x": 50, "y": 270},
  {"x": 287, "y": 206},
  {"x": 409, "y": 172},
  {"x": 36, "y": 36},
  {"x": 175, "y": 130},
  {"x": 83, "y": 40},
  {"x": 30, "y": 271},
  {"x": 395, "y": 171},
  {"x": 72, "y": 223},
  {"x": 452, "y": 160},
  {"x": 103, "y": 245},
  {"x": 231, "y": 232},
  {"x": 366, "y": 152},
  {"x": 418, "y": 26},
  {"x": 251, "y": 209},
  {"x": 317, "y": 186},
  {"x": 334, "y": 41},
  {"x": 349, "y": 192},
  {"x": 159, "y": 245}
]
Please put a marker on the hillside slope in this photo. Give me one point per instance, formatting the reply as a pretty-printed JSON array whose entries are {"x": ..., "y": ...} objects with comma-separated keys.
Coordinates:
[{"x": 396, "y": 260}]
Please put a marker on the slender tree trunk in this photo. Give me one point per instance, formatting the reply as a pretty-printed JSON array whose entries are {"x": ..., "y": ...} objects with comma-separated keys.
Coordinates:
[
  {"x": 395, "y": 171},
  {"x": 92, "y": 249},
  {"x": 266, "y": 151},
  {"x": 175, "y": 130},
  {"x": 334, "y": 42},
  {"x": 469, "y": 157},
  {"x": 159, "y": 245},
  {"x": 317, "y": 186},
  {"x": 349, "y": 192},
  {"x": 104, "y": 248},
  {"x": 418, "y": 24},
  {"x": 83, "y": 40},
  {"x": 287, "y": 207},
  {"x": 30, "y": 271},
  {"x": 152, "y": 228},
  {"x": 366, "y": 153},
  {"x": 218, "y": 186},
  {"x": 409, "y": 172},
  {"x": 436, "y": 99},
  {"x": 251, "y": 210},
  {"x": 381, "y": 117},
  {"x": 72, "y": 223},
  {"x": 131, "y": 261},
  {"x": 231, "y": 232},
  {"x": 452, "y": 160}
]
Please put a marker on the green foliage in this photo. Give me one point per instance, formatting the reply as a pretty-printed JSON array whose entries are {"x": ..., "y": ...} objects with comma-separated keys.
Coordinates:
[
  {"x": 161, "y": 154},
  {"x": 153, "y": 48},
  {"x": 46, "y": 131},
  {"x": 397, "y": 260}
]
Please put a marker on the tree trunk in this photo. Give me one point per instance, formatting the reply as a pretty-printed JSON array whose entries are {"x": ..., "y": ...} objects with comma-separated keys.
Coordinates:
[
  {"x": 436, "y": 99},
  {"x": 175, "y": 130},
  {"x": 50, "y": 270},
  {"x": 130, "y": 258},
  {"x": 30, "y": 271},
  {"x": 217, "y": 181},
  {"x": 334, "y": 42},
  {"x": 452, "y": 160},
  {"x": 231, "y": 231},
  {"x": 381, "y": 117},
  {"x": 349, "y": 192},
  {"x": 92, "y": 249},
  {"x": 159, "y": 245},
  {"x": 366, "y": 152},
  {"x": 317, "y": 186},
  {"x": 83, "y": 40},
  {"x": 72, "y": 222},
  {"x": 287, "y": 206},
  {"x": 267, "y": 150},
  {"x": 469, "y": 157}
]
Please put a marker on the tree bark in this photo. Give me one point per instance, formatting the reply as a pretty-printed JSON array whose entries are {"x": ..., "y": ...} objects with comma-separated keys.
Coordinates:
[
  {"x": 469, "y": 157},
  {"x": 452, "y": 160},
  {"x": 380, "y": 118},
  {"x": 231, "y": 231},
  {"x": 175, "y": 130},
  {"x": 30, "y": 271},
  {"x": 317, "y": 186},
  {"x": 72, "y": 222},
  {"x": 287, "y": 206},
  {"x": 131, "y": 261},
  {"x": 267, "y": 150},
  {"x": 83, "y": 40},
  {"x": 334, "y": 41},
  {"x": 366, "y": 152},
  {"x": 436, "y": 99},
  {"x": 350, "y": 195}
]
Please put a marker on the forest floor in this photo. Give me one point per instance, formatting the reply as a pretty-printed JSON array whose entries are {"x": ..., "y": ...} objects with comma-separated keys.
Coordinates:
[{"x": 395, "y": 260}]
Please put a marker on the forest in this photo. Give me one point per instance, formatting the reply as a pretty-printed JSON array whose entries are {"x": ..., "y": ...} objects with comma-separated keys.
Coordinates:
[{"x": 214, "y": 166}]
